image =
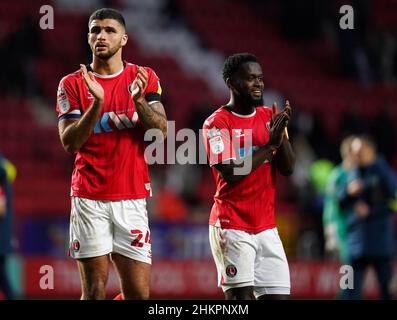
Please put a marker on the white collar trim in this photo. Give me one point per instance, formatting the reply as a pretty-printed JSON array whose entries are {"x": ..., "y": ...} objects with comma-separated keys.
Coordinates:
[
  {"x": 108, "y": 76},
  {"x": 243, "y": 115}
]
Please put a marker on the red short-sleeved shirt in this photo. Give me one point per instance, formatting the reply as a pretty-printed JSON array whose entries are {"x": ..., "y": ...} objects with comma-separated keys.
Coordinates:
[
  {"x": 249, "y": 204},
  {"x": 111, "y": 164}
]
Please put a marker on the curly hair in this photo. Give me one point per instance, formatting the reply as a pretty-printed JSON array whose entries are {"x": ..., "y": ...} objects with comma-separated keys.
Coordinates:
[{"x": 234, "y": 62}]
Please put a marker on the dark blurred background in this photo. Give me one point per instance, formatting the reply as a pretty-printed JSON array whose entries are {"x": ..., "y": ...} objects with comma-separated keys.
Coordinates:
[{"x": 338, "y": 82}]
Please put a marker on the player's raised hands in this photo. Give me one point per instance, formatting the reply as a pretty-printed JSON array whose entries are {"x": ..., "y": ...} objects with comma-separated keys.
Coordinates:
[
  {"x": 92, "y": 85},
  {"x": 139, "y": 85},
  {"x": 278, "y": 124},
  {"x": 276, "y": 113}
]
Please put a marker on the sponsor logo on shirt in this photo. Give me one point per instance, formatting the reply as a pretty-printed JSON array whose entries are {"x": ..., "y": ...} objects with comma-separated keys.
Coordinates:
[
  {"x": 244, "y": 152},
  {"x": 119, "y": 120}
]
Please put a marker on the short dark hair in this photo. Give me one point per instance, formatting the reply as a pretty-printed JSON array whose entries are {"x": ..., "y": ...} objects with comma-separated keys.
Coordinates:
[
  {"x": 107, "y": 13},
  {"x": 234, "y": 62}
]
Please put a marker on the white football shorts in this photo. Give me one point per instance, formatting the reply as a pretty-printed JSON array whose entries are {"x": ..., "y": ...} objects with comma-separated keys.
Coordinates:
[
  {"x": 250, "y": 259},
  {"x": 101, "y": 227}
]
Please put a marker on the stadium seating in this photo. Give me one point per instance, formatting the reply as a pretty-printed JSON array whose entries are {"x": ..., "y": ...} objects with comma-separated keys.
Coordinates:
[{"x": 300, "y": 73}]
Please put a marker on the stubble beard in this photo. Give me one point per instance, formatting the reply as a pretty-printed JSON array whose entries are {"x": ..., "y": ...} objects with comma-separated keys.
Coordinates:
[
  {"x": 255, "y": 102},
  {"x": 107, "y": 54}
]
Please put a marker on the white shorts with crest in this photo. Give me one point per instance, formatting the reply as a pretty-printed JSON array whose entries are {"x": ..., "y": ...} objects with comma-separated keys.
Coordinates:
[
  {"x": 101, "y": 227},
  {"x": 250, "y": 259}
]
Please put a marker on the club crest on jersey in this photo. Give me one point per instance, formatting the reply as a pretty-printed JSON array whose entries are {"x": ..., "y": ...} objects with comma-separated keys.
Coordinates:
[
  {"x": 239, "y": 133},
  {"x": 231, "y": 270}
]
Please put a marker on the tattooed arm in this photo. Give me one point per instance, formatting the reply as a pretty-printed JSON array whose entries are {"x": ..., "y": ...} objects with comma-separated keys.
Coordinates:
[{"x": 152, "y": 115}]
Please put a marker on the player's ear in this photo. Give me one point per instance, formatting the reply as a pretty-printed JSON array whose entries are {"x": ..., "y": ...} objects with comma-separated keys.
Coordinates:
[
  {"x": 124, "y": 39},
  {"x": 230, "y": 83}
]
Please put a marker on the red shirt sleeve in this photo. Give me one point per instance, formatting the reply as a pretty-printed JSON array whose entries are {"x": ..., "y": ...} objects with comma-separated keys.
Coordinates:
[
  {"x": 67, "y": 100},
  {"x": 217, "y": 141}
]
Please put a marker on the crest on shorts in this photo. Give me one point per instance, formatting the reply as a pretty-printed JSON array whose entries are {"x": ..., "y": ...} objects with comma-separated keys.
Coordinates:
[
  {"x": 231, "y": 270},
  {"x": 76, "y": 245}
]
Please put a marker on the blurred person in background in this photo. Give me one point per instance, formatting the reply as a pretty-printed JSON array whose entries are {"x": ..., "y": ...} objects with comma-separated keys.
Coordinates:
[
  {"x": 334, "y": 219},
  {"x": 367, "y": 196},
  {"x": 7, "y": 177},
  {"x": 110, "y": 181},
  {"x": 245, "y": 244}
]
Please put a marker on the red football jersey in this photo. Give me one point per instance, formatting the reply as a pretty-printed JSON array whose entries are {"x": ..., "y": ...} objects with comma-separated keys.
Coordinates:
[
  {"x": 247, "y": 205},
  {"x": 111, "y": 164}
]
